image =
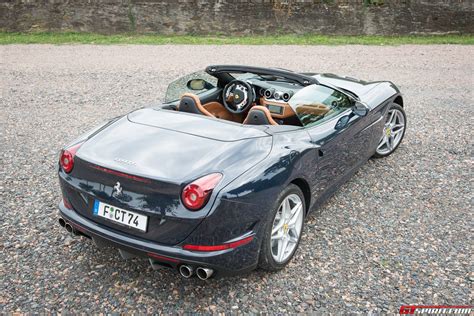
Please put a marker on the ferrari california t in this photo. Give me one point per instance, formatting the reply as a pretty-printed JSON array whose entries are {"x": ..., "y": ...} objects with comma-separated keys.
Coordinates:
[{"x": 219, "y": 178}]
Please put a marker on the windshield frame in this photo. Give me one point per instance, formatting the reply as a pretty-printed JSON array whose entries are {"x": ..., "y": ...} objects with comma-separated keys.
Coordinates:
[{"x": 226, "y": 70}]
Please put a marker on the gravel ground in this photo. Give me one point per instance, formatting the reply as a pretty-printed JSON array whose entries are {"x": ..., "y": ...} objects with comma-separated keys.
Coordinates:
[{"x": 400, "y": 232}]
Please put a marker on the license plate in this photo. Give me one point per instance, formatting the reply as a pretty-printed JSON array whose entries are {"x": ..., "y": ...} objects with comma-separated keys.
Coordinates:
[{"x": 118, "y": 215}]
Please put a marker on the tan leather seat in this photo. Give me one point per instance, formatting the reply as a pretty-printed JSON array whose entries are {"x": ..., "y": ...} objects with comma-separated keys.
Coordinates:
[
  {"x": 220, "y": 112},
  {"x": 316, "y": 109},
  {"x": 259, "y": 115},
  {"x": 190, "y": 103}
]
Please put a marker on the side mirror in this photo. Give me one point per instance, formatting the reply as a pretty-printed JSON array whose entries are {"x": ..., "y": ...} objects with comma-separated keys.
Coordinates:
[
  {"x": 343, "y": 121},
  {"x": 198, "y": 84},
  {"x": 360, "y": 109}
]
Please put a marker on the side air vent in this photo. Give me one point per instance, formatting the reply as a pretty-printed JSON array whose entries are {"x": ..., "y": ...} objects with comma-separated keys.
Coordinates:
[
  {"x": 287, "y": 96},
  {"x": 269, "y": 93}
]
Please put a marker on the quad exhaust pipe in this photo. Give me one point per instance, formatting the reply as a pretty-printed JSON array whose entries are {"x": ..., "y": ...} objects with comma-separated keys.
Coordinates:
[
  {"x": 186, "y": 271},
  {"x": 62, "y": 222},
  {"x": 68, "y": 227},
  {"x": 204, "y": 273}
]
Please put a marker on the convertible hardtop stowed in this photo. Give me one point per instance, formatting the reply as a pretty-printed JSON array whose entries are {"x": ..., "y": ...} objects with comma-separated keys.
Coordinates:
[
  {"x": 174, "y": 147},
  {"x": 201, "y": 126}
]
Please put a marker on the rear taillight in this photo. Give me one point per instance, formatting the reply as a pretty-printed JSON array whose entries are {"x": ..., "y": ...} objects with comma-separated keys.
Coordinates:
[
  {"x": 66, "y": 159},
  {"x": 196, "y": 194}
]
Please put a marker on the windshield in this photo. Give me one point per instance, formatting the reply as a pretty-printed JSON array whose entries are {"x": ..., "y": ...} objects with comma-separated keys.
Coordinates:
[
  {"x": 315, "y": 104},
  {"x": 185, "y": 84}
]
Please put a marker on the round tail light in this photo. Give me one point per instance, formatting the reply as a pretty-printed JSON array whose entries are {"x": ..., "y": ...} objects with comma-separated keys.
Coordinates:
[
  {"x": 196, "y": 194},
  {"x": 66, "y": 159}
]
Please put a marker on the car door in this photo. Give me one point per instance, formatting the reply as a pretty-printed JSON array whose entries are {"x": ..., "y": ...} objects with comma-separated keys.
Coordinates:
[
  {"x": 334, "y": 129},
  {"x": 333, "y": 153}
]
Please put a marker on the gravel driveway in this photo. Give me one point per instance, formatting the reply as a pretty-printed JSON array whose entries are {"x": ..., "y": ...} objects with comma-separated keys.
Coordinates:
[{"x": 400, "y": 232}]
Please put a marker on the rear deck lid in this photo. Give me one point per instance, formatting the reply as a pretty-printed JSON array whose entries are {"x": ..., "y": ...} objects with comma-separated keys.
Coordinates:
[{"x": 197, "y": 125}]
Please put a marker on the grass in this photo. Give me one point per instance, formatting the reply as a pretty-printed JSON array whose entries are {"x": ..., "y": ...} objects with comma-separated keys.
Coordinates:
[{"x": 309, "y": 39}]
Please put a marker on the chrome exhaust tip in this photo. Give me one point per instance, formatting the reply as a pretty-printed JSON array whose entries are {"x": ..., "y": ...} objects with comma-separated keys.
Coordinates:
[
  {"x": 68, "y": 228},
  {"x": 62, "y": 222},
  {"x": 186, "y": 271},
  {"x": 204, "y": 273}
]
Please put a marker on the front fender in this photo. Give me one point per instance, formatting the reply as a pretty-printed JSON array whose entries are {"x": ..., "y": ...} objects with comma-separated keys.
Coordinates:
[{"x": 379, "y": 94}]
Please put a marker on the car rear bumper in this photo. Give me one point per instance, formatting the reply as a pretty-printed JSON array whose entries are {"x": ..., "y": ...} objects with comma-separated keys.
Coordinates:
[{"x": 224, "y": 262}]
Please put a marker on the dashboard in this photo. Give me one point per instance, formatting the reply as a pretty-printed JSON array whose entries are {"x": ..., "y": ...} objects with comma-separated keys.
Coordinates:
[
  {"x": 278, "y": 109},
  {"x": 276, "y": 93},
  {"x": 275, "y": 97}
]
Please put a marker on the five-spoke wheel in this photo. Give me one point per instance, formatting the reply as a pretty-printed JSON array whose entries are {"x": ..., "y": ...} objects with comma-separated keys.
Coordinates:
[
  {"x": 393, "y": 131},
  {"x": 283, "y": 230},
  {"x": 287, "y": 227}
]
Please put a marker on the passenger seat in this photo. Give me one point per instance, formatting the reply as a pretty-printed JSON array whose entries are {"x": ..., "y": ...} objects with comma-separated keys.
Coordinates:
[
  {"x": 190, "y": 103},
  {"x": 259, "y": 115}
]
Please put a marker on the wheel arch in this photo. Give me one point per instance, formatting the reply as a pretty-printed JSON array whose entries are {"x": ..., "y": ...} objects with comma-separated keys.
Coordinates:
[
  {"x": 305, "y": 188},
  {"x": 399, "y": 100}
]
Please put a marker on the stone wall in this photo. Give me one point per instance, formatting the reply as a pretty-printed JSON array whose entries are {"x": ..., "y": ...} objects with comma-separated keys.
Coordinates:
[{"x": 236, "y": 17}]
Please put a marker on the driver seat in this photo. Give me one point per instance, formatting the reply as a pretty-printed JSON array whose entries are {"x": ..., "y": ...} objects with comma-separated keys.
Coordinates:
[
  {"x": 190, "y": 103},
  {"x": 259, "y": 115}
]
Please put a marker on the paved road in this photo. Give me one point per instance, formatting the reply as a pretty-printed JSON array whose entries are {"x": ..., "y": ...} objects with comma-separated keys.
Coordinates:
[{"x": 400, "y": 232}]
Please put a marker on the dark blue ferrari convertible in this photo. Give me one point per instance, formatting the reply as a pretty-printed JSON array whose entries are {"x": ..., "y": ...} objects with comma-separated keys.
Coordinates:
[{"x": 219, "y": 178}]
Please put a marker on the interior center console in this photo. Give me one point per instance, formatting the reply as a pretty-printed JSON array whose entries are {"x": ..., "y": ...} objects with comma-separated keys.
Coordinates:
[
  {"x": 278, "y": 109},
  {"x": 275, "y": 109}
]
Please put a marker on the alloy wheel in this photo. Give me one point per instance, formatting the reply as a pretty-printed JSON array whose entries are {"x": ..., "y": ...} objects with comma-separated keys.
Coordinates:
[
  {"x": 287, "y": 227},
  {"x": 392, "y": 132}
]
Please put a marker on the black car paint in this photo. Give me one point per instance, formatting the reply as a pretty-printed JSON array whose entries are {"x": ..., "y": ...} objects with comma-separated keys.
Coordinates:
[{"x": 257, "y": 163}]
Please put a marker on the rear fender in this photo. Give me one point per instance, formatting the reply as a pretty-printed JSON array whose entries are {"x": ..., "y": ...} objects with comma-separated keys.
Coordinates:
[{"x": 291, "y": 155}]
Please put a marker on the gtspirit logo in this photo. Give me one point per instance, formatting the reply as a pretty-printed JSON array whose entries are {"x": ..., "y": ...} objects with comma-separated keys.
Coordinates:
[{"x": 435, "y": 310}]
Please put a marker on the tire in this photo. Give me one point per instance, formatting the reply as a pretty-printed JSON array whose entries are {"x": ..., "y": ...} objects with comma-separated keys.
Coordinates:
[
  {"x": 267, "y": 260},
  {"x": 387, "y": 148}
]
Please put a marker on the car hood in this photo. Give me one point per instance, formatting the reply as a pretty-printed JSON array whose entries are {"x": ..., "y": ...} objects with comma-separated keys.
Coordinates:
[{"x": 176, "y": 147}]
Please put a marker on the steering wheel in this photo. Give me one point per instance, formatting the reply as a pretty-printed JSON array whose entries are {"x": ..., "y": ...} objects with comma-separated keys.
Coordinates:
[{"x": 238, "y": 96}]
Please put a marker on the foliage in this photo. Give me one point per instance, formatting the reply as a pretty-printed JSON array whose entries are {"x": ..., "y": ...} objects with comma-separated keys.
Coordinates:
[
  {"x": 151, "y": 39},
  {"x": 373, "y": 2}
]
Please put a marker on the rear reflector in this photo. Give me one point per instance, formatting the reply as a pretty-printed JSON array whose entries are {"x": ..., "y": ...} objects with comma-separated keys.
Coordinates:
[
  {"x": 225, "y": 246},
  {"x": 66, "y": 203}
]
